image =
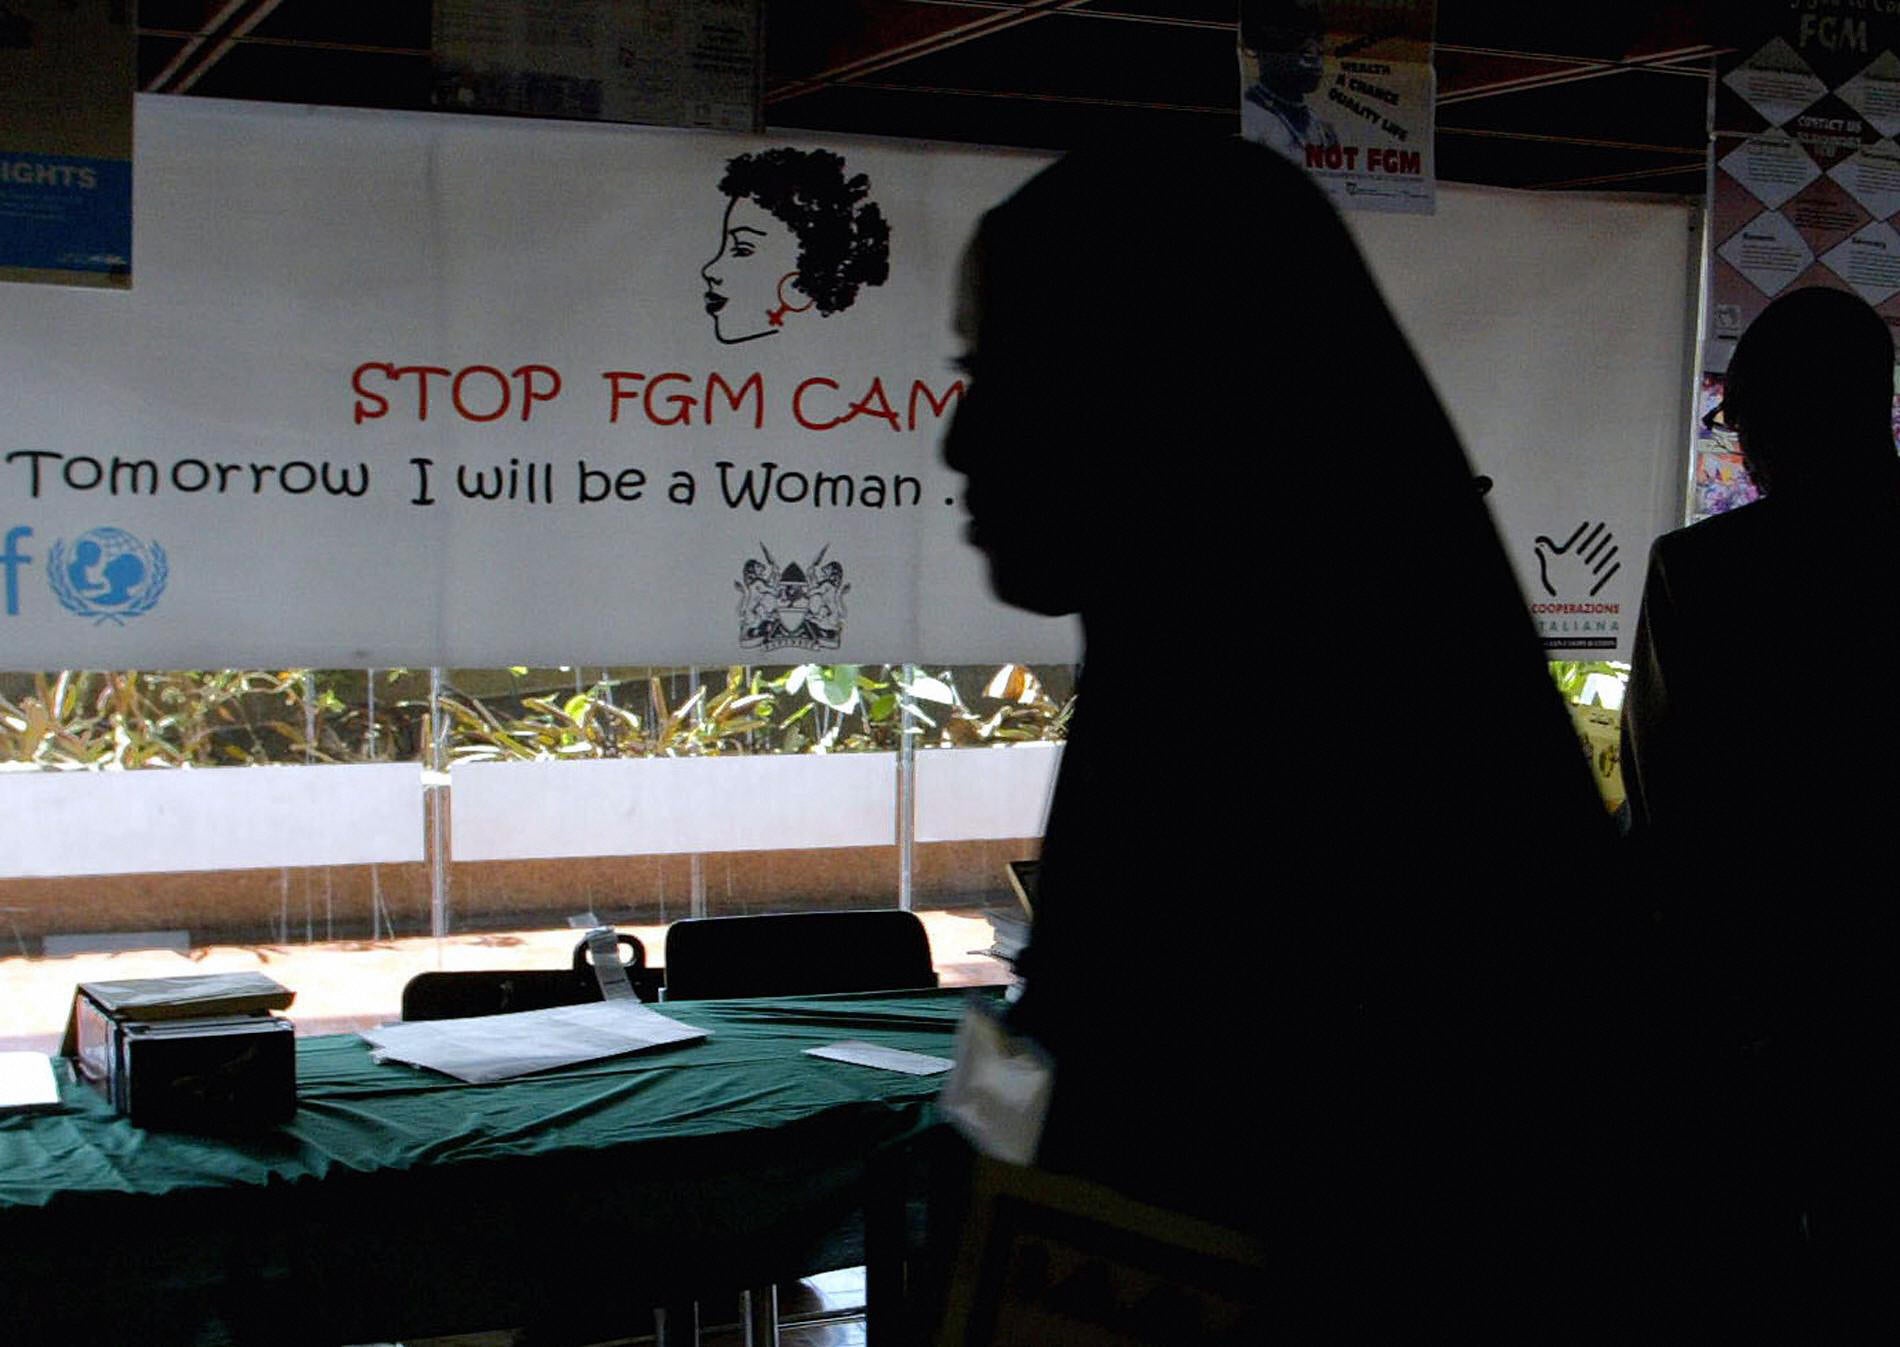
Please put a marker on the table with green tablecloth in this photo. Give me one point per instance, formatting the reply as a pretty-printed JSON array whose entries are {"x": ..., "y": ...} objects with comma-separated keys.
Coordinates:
[{"x": 400, "y": 1201}]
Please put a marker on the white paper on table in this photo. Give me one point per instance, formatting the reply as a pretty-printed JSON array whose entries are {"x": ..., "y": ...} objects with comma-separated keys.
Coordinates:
[
  {"x": 998, "y": 1096},
  {"x": 885, "y": 1059},
  {"x": 500, "y": 1047},
  {"x": 26, "y": 1083}
]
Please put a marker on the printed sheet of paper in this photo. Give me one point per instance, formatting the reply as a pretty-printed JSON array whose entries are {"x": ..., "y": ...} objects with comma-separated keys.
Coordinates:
[
  {"x": 603, "y": 947},
  {"x": 501, "y": 1047},
  {"x": 884, "y": 1059},
  {"x": 667, "y": 62}
]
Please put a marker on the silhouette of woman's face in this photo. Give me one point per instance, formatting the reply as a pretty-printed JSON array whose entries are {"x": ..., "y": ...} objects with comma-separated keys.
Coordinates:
[
  {"x": 752, "y": 282},
  {"x": 1024, "y": 504}
]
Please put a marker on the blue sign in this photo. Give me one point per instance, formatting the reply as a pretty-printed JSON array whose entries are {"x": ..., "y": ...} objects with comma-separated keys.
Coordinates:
[{"x": 62, "y": 212}]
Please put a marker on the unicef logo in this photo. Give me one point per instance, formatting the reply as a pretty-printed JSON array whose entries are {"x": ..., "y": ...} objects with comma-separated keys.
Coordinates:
[{"x": 108, "y": 576}]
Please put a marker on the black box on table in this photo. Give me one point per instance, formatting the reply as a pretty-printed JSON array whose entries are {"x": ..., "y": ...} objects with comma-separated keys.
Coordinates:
[{"x": 202, "y": 1052}]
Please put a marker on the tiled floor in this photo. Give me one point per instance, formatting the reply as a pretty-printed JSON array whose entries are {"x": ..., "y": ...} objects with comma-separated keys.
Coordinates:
[
  {"x": 346, "y": 986},
  {"x": 831, "y": 1294},
  {"x": 838, "y": 1296}
]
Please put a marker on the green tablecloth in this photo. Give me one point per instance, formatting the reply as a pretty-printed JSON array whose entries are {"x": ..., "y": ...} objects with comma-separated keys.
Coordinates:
[{"x": 400, "y": 1201}]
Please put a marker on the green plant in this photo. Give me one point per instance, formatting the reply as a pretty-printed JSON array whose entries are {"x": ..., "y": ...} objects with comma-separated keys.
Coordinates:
[
  {"x": 1597, "y": 726},
  {"x": 1573, "y": 676},
  {"x": 1025, "y": 710},
  {"x": 185, "y": 719},
  {"x": 196, "y": 718},
  {"x": 590, "y": 724},
  {"x": 905, "y": 701}
]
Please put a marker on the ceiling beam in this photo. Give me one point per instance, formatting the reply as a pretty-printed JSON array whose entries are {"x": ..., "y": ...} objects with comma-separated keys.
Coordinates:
[
  {"x": 1166, "y": 20},
  {"x": 294, "y": 43},
  {"x": 1030, "y": 96},
  {"x": 1561, "y": 58},
  {"x": 226, "y": 13},
  {"x": 1110, "y": 15},
  {"x": 259, "y": 11},
  {"x": 1663, "y": 62},
  {"x": 1627, "y": 175},
  {"x": 1691, "y": 154},
  {"x": 1591, "y": 142},
  {"x": 207, "y": 46},
  {"x": 895, "y": 37}
]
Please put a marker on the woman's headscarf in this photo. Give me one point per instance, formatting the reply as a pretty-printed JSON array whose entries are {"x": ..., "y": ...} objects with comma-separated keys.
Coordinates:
[{"x": 1322, "y": 823}]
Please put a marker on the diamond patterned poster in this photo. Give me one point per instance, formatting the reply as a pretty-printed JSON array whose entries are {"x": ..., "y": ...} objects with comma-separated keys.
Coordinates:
[
  {"x": 1807, "y": 171},
  {"x": 1806, "y": 187}
]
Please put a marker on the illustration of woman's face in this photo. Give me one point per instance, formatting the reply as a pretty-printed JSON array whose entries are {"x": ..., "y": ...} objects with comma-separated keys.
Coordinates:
[{"x": 752, "y": 283}]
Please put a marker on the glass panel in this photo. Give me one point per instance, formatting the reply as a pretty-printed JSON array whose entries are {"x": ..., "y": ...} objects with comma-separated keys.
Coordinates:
[
  {"x": 991, "y": 741},
  {"x": 636, "y": 796},
  {"x": 116, "y": 864},
  {"x": 631, "y": 796}
]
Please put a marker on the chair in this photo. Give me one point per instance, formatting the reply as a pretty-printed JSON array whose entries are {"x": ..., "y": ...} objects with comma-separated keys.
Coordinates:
[
  {"x": 797, "y": 954},
  {"x": 465, "y": 994},
  {"x": 792, "y": 954},
  {"x": 1041, "y": 1257},
  {"x": 470, "y": 993}
]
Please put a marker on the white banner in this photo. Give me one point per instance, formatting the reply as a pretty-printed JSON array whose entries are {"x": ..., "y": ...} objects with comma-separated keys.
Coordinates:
[
  {"x": 1556, "y": 329},
  {"x": 414, "y": 389},
  {"x": 418, "y": 389}
]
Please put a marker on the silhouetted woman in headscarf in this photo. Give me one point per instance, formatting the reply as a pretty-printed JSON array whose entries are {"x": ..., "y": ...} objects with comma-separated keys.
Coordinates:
[{"x": 1306, "y": 952}]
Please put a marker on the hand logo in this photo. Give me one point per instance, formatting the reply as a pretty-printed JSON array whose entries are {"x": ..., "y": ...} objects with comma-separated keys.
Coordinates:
[{"x": 1586, "y": 558}]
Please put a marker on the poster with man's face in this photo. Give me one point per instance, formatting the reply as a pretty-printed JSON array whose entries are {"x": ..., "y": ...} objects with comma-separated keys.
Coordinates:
[{"x": 1346, "y": 91}]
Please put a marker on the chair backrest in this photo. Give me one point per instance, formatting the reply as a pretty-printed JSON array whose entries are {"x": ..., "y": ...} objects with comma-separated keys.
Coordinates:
[
  {"x": 1044, "y": 1257},
  {"x": 797, "y": 954},
  {"x": 466, "y": 994}
]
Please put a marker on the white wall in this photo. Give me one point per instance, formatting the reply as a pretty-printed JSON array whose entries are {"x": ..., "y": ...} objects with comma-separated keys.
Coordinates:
[
  {"x": 964, "y": 794},
  {"x": 663, "y": 806},
  {"x": 224, "y": 818}
]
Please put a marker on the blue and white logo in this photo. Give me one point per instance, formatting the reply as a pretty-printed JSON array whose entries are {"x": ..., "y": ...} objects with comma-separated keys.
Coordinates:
[{"x": 108, "y": 575}]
